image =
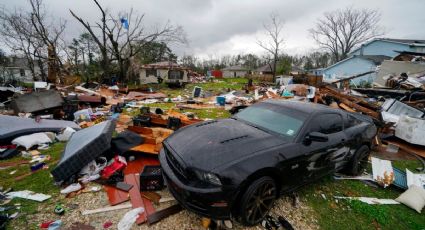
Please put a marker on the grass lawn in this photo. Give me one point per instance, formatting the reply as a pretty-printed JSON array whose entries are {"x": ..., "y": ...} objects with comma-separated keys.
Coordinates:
[{"x": 41, "y": 182}]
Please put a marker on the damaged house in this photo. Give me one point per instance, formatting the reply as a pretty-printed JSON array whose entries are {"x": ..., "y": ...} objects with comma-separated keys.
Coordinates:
[
  {"x": 169, "y": 72},
  {"x": 369, "y": 56},
  {"x": 17, "y": 69},
  {"x": 234, "y": 71}
]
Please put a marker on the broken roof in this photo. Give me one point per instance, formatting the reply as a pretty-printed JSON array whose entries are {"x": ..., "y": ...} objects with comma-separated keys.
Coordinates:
[
  {"x": 405, "y": 41},
  {"x": 376, "y": 59},
  {"x": 265, "y": 68}
]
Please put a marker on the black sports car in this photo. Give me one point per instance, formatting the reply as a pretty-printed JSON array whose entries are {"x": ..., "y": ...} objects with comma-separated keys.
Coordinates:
[{"x": 237, "y": 167}]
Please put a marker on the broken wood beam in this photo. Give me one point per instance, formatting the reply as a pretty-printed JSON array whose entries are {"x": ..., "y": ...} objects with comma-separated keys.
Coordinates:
[
  {"x": 106, "y": 209},
  {"x": 345, "y": 107},
  {"x": 164, "y": 213}
]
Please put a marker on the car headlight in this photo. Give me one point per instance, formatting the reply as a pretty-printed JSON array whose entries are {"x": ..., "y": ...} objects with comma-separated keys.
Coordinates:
[{"x": 208, "y": 177}]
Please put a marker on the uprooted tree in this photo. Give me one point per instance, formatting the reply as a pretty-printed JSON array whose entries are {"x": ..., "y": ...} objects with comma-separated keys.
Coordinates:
[
  {"x": 274, "y": 42},
  {"x": 342, "y": 30},
  {"x": 120, "y": 38}
]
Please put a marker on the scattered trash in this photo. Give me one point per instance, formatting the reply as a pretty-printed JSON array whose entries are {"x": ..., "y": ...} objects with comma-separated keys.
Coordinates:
[
  {"x": 369, "y": 200},
  {"x": 29, "y": 141},
  {"x": 129, "y": 219},
  {"x": 71, "y": 188},
  {"x": 382, "y": 172},
  {"x": 107, "y": 224},
  {"x": 29, "y": 195}
]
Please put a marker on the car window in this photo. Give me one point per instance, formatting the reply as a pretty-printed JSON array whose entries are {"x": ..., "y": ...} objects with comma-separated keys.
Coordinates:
[
  {"x": 326, "y": 123},
  {"x": 272, "y": 118}
]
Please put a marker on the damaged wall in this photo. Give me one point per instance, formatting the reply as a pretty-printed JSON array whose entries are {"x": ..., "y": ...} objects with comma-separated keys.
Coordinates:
[{"x": 389, "y": 67}]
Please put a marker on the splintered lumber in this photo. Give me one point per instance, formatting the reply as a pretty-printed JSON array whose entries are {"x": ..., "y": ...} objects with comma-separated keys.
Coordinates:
[
  {"x": 106, "y": 209},
  {"x": 358, "y": 100},
  {"x": 345, "y": 107},
  {"x": 348, "y": 101}
]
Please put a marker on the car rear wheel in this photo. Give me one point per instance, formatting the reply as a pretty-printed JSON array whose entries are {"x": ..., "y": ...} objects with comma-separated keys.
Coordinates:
[
  {"x": 257, "y": 201},
  {"x": 359, "y": 162}
]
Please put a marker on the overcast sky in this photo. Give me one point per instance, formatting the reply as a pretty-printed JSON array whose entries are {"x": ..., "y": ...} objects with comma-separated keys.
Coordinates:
[{"x": 219, "y": 27}]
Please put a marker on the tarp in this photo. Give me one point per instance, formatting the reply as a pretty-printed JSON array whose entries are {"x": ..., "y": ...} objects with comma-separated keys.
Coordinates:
[
  {"x": 12, "y": 126},
  {"x": 83, "y": 147}
]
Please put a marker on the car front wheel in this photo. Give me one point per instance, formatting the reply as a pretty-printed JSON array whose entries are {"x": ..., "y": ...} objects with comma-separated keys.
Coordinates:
[
  {"x": 257, "y": 201},
  {"x": 359, "y": 162}
]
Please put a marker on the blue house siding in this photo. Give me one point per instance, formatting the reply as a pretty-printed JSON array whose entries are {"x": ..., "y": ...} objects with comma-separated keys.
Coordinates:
[
  {"x": 349, "y": 67},
  {"x": 382, "y": 47}
]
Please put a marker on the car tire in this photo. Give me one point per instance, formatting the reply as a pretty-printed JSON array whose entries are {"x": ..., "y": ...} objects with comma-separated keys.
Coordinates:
[
  {"x": 257, "y": 200},
  {"x": 358, "y": 164}
]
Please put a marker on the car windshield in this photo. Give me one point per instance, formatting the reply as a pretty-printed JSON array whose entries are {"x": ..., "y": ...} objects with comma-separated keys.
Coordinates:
[{"x": 273, "y": 118}]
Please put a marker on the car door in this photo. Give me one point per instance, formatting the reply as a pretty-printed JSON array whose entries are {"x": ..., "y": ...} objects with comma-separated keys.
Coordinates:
[{"x": 320, "y": 157}]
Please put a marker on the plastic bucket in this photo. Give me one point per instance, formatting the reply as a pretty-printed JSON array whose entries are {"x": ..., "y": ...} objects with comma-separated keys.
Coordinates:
[{"x": 221, "y": 101}]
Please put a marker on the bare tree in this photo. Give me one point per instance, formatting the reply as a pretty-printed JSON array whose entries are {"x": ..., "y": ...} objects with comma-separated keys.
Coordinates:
[
  {"x": 342, "y": 30},
  {"x": 120, "y": 43},
  {"x": 30, "y": 34},
  {"x": 16, "y": 33},
  {"x": 275, "y": 40},
  {"x": 49, "y": 34}
]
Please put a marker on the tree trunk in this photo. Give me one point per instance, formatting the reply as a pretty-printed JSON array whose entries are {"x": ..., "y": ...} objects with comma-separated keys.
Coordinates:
[{"x": 274, "y": 67}]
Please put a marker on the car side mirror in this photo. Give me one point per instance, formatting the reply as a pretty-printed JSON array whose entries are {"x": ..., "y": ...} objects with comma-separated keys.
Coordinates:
[{"x": 316, "y": 136}]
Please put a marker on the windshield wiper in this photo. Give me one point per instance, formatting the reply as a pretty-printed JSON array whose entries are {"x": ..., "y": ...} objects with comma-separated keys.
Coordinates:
[{"x": 258, "y": 127}]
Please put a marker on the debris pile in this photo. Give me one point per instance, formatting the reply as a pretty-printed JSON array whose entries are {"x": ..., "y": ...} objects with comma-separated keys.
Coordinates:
[{"x": 113, "y": 136}]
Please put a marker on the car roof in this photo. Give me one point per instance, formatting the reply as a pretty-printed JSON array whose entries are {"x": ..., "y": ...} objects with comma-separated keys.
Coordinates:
[{"x": 303, "y": 107}]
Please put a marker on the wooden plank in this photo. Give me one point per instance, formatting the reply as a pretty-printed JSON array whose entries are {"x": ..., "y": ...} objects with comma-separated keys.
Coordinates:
[
  {"x": 135, "y": 197},
  {"x": 145, "y": 148},
  {"x": 351, "y": 104},
  {"x": 164, "y": 213},
  {"x": 140, "y": 130},
  {"x": 137, "y": 200},
  {"x": 105, "y": 209},
  {"x": 345, "y": 107},
  {"x": 115, "y": 196},
  {"x": 152, "y": 196},
  {"x": 139, "y": 163}
]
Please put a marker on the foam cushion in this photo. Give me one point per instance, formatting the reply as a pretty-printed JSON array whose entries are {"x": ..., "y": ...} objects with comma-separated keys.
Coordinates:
[{"x": 414, "y": 198}]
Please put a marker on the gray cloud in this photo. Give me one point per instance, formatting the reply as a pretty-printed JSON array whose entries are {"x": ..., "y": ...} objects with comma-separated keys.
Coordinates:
[{"x": 227, "y": 26}]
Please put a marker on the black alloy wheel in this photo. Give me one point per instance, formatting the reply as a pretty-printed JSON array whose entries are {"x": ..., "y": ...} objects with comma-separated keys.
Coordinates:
[
  {"x": 360, "y": 161},
  {"x": 257, "y": 201}
]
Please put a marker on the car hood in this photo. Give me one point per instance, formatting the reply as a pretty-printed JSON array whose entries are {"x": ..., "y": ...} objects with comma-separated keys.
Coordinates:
[{"x": 211, "y": 144}]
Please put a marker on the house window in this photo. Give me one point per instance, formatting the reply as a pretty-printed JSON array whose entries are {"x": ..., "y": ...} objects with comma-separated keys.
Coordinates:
[
  {"x": 151, "y": 72},
  {"x": 22, "y": 72},
  {"x": 175, "y": 74}
]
